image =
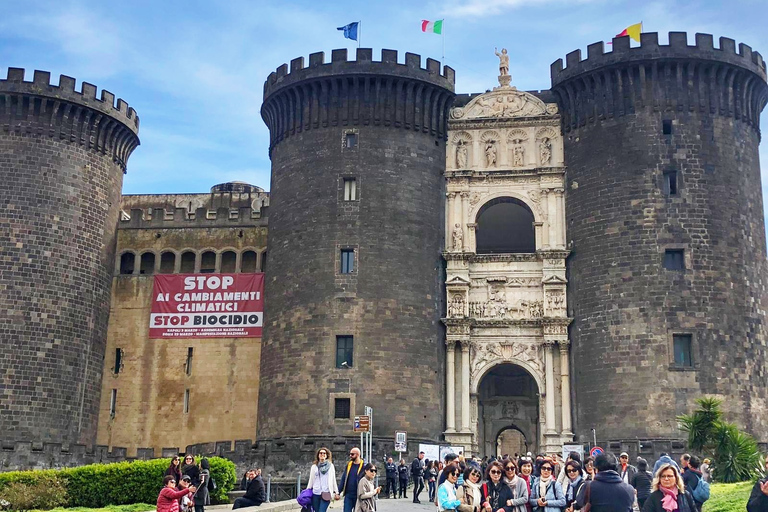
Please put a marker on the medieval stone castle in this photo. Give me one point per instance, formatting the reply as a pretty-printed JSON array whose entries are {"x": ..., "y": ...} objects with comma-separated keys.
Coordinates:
[{"x": 504, "y": 271}]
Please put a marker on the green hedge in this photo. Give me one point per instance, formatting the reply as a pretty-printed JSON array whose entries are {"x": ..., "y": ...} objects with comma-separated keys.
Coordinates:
[
  {"x": 728, "y": 497},
  {"x": 121, "y": 483}
]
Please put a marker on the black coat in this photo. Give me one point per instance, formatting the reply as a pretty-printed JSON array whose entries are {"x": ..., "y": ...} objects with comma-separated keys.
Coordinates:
[
  {"x": 607, "y": 493},
  {"x": 417, "y": 470},
  {"x": 758, "y": 502},
  {"x": 402, "y": 472},
  {"x": 505, "y": 494},
  {"x": 684, "y": 502},
  {"x": 255, "y": 491},
  {"x": 642, "y": 484}
]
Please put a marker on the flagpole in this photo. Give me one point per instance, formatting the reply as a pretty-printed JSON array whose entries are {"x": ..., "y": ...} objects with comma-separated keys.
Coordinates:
[
  {"x": 360, "y": 34},
  {"x": 443, "y": 34}
]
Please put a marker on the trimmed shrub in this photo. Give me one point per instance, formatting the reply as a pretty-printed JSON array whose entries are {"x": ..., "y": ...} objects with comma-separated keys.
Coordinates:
[
  {"x": 44, "y": 493},
  {"x": 121, "y": 483}
]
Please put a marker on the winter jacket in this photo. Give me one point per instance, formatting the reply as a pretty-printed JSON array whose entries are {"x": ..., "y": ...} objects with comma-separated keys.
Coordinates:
[
  {"x": 758, "y": 502},
  {"x": 572, "y": 491},
  {"x": 630, "y": 471},
  {"x": 350, "y": 478},
  {"x": 402, "y": 473},
  {"x": 446, "y": 497},
  {"x": 168, "y": 499},
  {"x": 554, "y": 496},
  {"x": 505, "y": 494},
  {"x": 417, "y": 468},
  {"x": 685, "y": 502},
  {"x": 366, "y": 496},
  {"x": 520, "y": 494},
  {"x": 607, "y": 493},
  {"x": 391, "y": 470},
  {"x": 203, "y": 497},
  {"x": 642, "y": 484},
  {"x": 691, "y": 479},
  {"x": 255, "y": 492},
  {"x": 466, "y": 496}
]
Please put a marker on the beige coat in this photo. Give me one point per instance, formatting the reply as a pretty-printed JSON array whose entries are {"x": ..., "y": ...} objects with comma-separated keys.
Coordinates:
[
  {"x": 467, "y": 498},
  {"x": 366, "y": 492}
]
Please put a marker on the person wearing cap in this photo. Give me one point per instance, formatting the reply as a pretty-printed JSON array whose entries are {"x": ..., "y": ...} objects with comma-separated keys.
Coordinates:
[
  {"x": 626, "y": 470},
  {"x": 185, "y": 502}
]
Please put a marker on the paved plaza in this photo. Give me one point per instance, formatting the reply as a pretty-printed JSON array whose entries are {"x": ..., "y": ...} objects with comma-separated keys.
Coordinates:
[{"x": 404, "y": 505}]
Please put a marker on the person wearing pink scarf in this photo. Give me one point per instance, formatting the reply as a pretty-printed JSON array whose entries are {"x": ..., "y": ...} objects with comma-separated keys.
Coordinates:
[{"x": 669, "y": 494}]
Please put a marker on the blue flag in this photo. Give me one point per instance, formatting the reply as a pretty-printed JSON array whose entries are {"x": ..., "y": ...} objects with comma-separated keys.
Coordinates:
[{"x": 350, "y": 31}]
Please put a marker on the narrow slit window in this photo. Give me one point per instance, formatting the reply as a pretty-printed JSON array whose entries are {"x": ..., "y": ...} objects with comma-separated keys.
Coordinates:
[
  {"x": 127, "y": 262},
  {"x": 347, "y": 261},
  {"x": 118, "y": 360},
  {"x": 350, "y": 189},
  {"x": 186, "y": 401},
  {"x": 666, "y": 127},
  {"x": 350, "y": 140},
  {"x": 344, "y": 351},
  {"x": 113, "y": 403},
  {"x": 188, "y": 366},
  {"x": 683, "y": 350},
  {"x": 671, "y": 184}
]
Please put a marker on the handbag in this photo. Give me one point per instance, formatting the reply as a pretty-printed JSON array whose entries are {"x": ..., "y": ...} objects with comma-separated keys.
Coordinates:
[{"x": 326, "y": 496}]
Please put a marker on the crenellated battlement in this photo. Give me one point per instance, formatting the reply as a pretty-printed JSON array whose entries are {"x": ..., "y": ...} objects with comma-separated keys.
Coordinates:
[
  {"x": 360, "y": 92},
  {"x": 662, "y": 78},
  {"x": 24, "y": 455},
  {"x": 65, "y": 91},
  {"x": 40, "y": 108},
  {"x": 363, "y": 64},
  {"x": 185, "y": 218},
  {"x": 650, "y": 49}
]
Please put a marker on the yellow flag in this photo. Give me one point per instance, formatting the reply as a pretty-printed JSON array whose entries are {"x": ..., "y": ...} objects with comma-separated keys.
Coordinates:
[{"x": 633, "y": 31}]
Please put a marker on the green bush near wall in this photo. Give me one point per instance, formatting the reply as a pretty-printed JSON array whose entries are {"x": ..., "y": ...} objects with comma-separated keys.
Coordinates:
[
  {"x": 121, "y": 483},
  {"x": 728, "y": 497}
]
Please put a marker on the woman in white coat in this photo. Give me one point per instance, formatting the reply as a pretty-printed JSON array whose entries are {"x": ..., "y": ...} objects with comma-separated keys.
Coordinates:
[{"x": 322, "y": 480}]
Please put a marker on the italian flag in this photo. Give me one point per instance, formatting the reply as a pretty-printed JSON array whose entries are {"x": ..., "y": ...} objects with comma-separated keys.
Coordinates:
[{"x": 434, "y": 27}]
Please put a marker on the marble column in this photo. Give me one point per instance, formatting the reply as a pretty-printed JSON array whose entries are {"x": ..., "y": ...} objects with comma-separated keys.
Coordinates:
[
  {"x": 552, "y": 217},
  {"x": 448, "y": 220},
  {"x": 471, "y": 246},
  {"x": 450, "y": 390},
  {"x": 565, "y": 387},
  {"x": 465, "y": 219},
  {"x": 550, "y": 387},
  {"x": 559, "y": 218},
  {"x": 465, "y": 427}
]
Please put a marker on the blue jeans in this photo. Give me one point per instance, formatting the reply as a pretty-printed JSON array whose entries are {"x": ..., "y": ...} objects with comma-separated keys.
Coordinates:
[
  {"x": 349, "y": 502},
  {"x": 319, "y": 504}
]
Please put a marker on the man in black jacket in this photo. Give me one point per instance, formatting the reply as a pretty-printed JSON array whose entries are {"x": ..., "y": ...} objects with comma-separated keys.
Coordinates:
[
  {"x": 402, "y": 472},
  {"x": 691, "y": 477},
  {"x": 758, "y": 500},
  {"x": 417, "y": 472},
  {"x": 254, "y": 493},
  {"x": 607, "y": 492},
  {"x": 391, "y": 478}
]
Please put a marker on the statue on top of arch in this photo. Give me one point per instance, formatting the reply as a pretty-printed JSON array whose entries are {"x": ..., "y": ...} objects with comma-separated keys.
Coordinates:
[{"x": 504, "y": 77}]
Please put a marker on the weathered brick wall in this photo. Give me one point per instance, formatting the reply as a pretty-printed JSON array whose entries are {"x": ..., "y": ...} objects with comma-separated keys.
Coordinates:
[
  {"x": 625, "y": 304},
  {"x": 62, "y": 158},
  {"x": 392, "y": 303}
]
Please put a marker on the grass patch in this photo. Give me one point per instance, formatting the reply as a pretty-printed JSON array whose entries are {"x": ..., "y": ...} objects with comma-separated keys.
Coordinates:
[
  {"x": 136, "y": 507},
  {"x": 728, "y": 497}
]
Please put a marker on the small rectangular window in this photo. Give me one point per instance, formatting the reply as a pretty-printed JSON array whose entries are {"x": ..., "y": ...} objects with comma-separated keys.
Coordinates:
[
  {"x": 666, "y": 127},
  {"x": 670, "y": 183},
  {"x": 347, "y": 261},
  {"x": 341, "y": 408},
  {"x": 350, "y": 189},
  {"x": 186, "y": 401},
  {"x": 344, "y": 351},
  {"x": 682, "y": 348},
  {"x": 118, "y": 360},
  {"x": 188, "y": 366},
  {"x": 113, "y": 403},
  {"x": 674, "y": 259},
  {"x": 350, "y": 140}
]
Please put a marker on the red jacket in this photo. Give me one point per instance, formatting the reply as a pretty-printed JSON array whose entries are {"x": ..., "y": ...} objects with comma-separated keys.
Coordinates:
[{"x": 168, "y": 500}]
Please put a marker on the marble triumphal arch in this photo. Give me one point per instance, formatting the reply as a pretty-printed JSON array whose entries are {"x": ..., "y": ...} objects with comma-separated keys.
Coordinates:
[{"x": 507, "y": 364}]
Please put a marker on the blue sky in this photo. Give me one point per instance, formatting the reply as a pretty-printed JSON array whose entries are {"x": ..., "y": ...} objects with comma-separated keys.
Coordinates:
[{"x": 194, "y": 70}]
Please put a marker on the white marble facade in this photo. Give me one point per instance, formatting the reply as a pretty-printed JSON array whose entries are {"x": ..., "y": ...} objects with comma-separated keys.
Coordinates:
[{"x": 506, "y": 308}]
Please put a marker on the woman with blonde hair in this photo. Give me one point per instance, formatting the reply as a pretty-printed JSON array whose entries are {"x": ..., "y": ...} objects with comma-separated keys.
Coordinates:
[
  {"x": 669, "y": 494},
  {"x": 322, "y": 480}
]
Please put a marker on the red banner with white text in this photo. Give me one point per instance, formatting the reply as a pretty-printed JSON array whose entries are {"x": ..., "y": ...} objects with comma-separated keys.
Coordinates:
[{"x": 207, "y": 306}]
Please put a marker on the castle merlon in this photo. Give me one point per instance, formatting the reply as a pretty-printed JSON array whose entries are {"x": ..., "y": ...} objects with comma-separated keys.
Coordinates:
[
  {"x": 362, "y": 65},
  {"x": 186, "y": 218},
  {"x": 65, "y": 91},
  {"x": 649, "y": 49}
]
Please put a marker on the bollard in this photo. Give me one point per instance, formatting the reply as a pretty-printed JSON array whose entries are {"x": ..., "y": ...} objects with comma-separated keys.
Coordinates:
[{"x": 269, "y": 486}]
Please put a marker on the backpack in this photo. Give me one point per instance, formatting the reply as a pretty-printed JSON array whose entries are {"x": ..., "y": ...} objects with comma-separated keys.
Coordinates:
[
  {"x": 701, "y": 492},
  {"x": 211, "y": 484}
]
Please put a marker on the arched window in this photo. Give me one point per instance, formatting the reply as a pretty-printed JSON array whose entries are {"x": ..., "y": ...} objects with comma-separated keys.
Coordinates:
[
  {"x": 127, "y": 262},
  {"x": 248, "y": 262},
  {"x": 147, "y": 263},
  {"x": 228, "y": 262},
  {"x": 187, "y": 263},
  {"x": 505, "y": 225},
  {"x": 167, "y": 262},
  {"x": 208, "y": 262},
  {"x": 264, "y": 261}
]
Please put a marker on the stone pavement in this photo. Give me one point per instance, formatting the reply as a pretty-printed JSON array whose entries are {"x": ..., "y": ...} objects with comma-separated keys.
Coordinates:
[{"x": 405, "y": 505}]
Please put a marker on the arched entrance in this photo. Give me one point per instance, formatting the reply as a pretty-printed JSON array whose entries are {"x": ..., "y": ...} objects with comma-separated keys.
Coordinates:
[
  {"x": 508, "y": 411},
  {"x": 511, "y": 441}
]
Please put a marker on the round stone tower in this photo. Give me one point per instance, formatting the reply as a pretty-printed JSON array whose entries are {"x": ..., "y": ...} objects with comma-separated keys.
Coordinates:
[
  {"x": 62, "y": 158},
  {"x": 354, "y": 275},
  {"x": 664, "y": 209}
]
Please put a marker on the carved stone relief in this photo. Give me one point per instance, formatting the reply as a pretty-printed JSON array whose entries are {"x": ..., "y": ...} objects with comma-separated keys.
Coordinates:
[
  {"x": 484, "y": 353},
  {"x": 456, "y": 305},
  {"x": 503, "y": 103},
  {"x": 458, "y": 238}
]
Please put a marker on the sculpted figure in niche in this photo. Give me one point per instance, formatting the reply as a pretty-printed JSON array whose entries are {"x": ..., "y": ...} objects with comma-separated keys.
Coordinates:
[
  {"x": 456, "y": 307},
  {"x": 545, "y": 151},
  {"x": 518, "y": 156},
  {"x": 462, "y": 152},
  {"x": 458, "y": 238},
  {"x": 503, "y": 61},
  {"x": 490, "y": 153}
]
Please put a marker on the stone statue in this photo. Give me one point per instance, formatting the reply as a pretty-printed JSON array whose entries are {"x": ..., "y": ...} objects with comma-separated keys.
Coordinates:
[
  {"x": 461, "y": 154},
  {"x": 519, "y": 156},
  {"x": 545, "y": 151},
  {"x": 456, "y": 307},
  {"x": 503, "y": 61},
  {"x": 458, "y": 238},
  {"x": 490, "y": 153}
]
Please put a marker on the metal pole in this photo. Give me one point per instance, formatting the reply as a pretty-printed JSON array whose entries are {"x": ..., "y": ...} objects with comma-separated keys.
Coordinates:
[
  {"x": 269, "y": 486},
  {"x": 298, "y": 484},
  {"x": 594, "y": 437},
  {"x": 362, "y": 446}
]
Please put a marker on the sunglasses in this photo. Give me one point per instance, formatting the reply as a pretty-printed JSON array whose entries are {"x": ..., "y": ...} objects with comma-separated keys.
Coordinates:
[
  {"x": 495, "y": 472},
  {"x": 372, "y": 470},
  {"x": 475, "y": 473},
  {"x": 352, "y": 454},
  {"x": 571, "y": 470},
  {"x": 510, "y": 468},
  {"x": 546, "y": 468},
  {"x": 322, "y": 453}
]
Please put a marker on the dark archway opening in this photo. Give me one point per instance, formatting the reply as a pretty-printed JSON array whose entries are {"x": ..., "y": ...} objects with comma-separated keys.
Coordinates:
[{"x": 505, "y": 225}]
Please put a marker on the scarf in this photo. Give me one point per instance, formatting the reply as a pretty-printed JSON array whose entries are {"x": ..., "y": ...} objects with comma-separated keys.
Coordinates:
[
  {"x": 669, "y": 499},
  {"x": 494, "y": 491},
  {"x": 512, "y": 484},
  {"x": 572, "y": 488},
  {"x": 323, "y": 467},
  {"x": 543, "y": 483},
  {"x": 475, "y": 492}
]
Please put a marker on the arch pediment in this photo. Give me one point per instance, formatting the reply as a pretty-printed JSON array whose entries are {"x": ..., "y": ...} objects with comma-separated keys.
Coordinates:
[{"x": 504, "y": 103}]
